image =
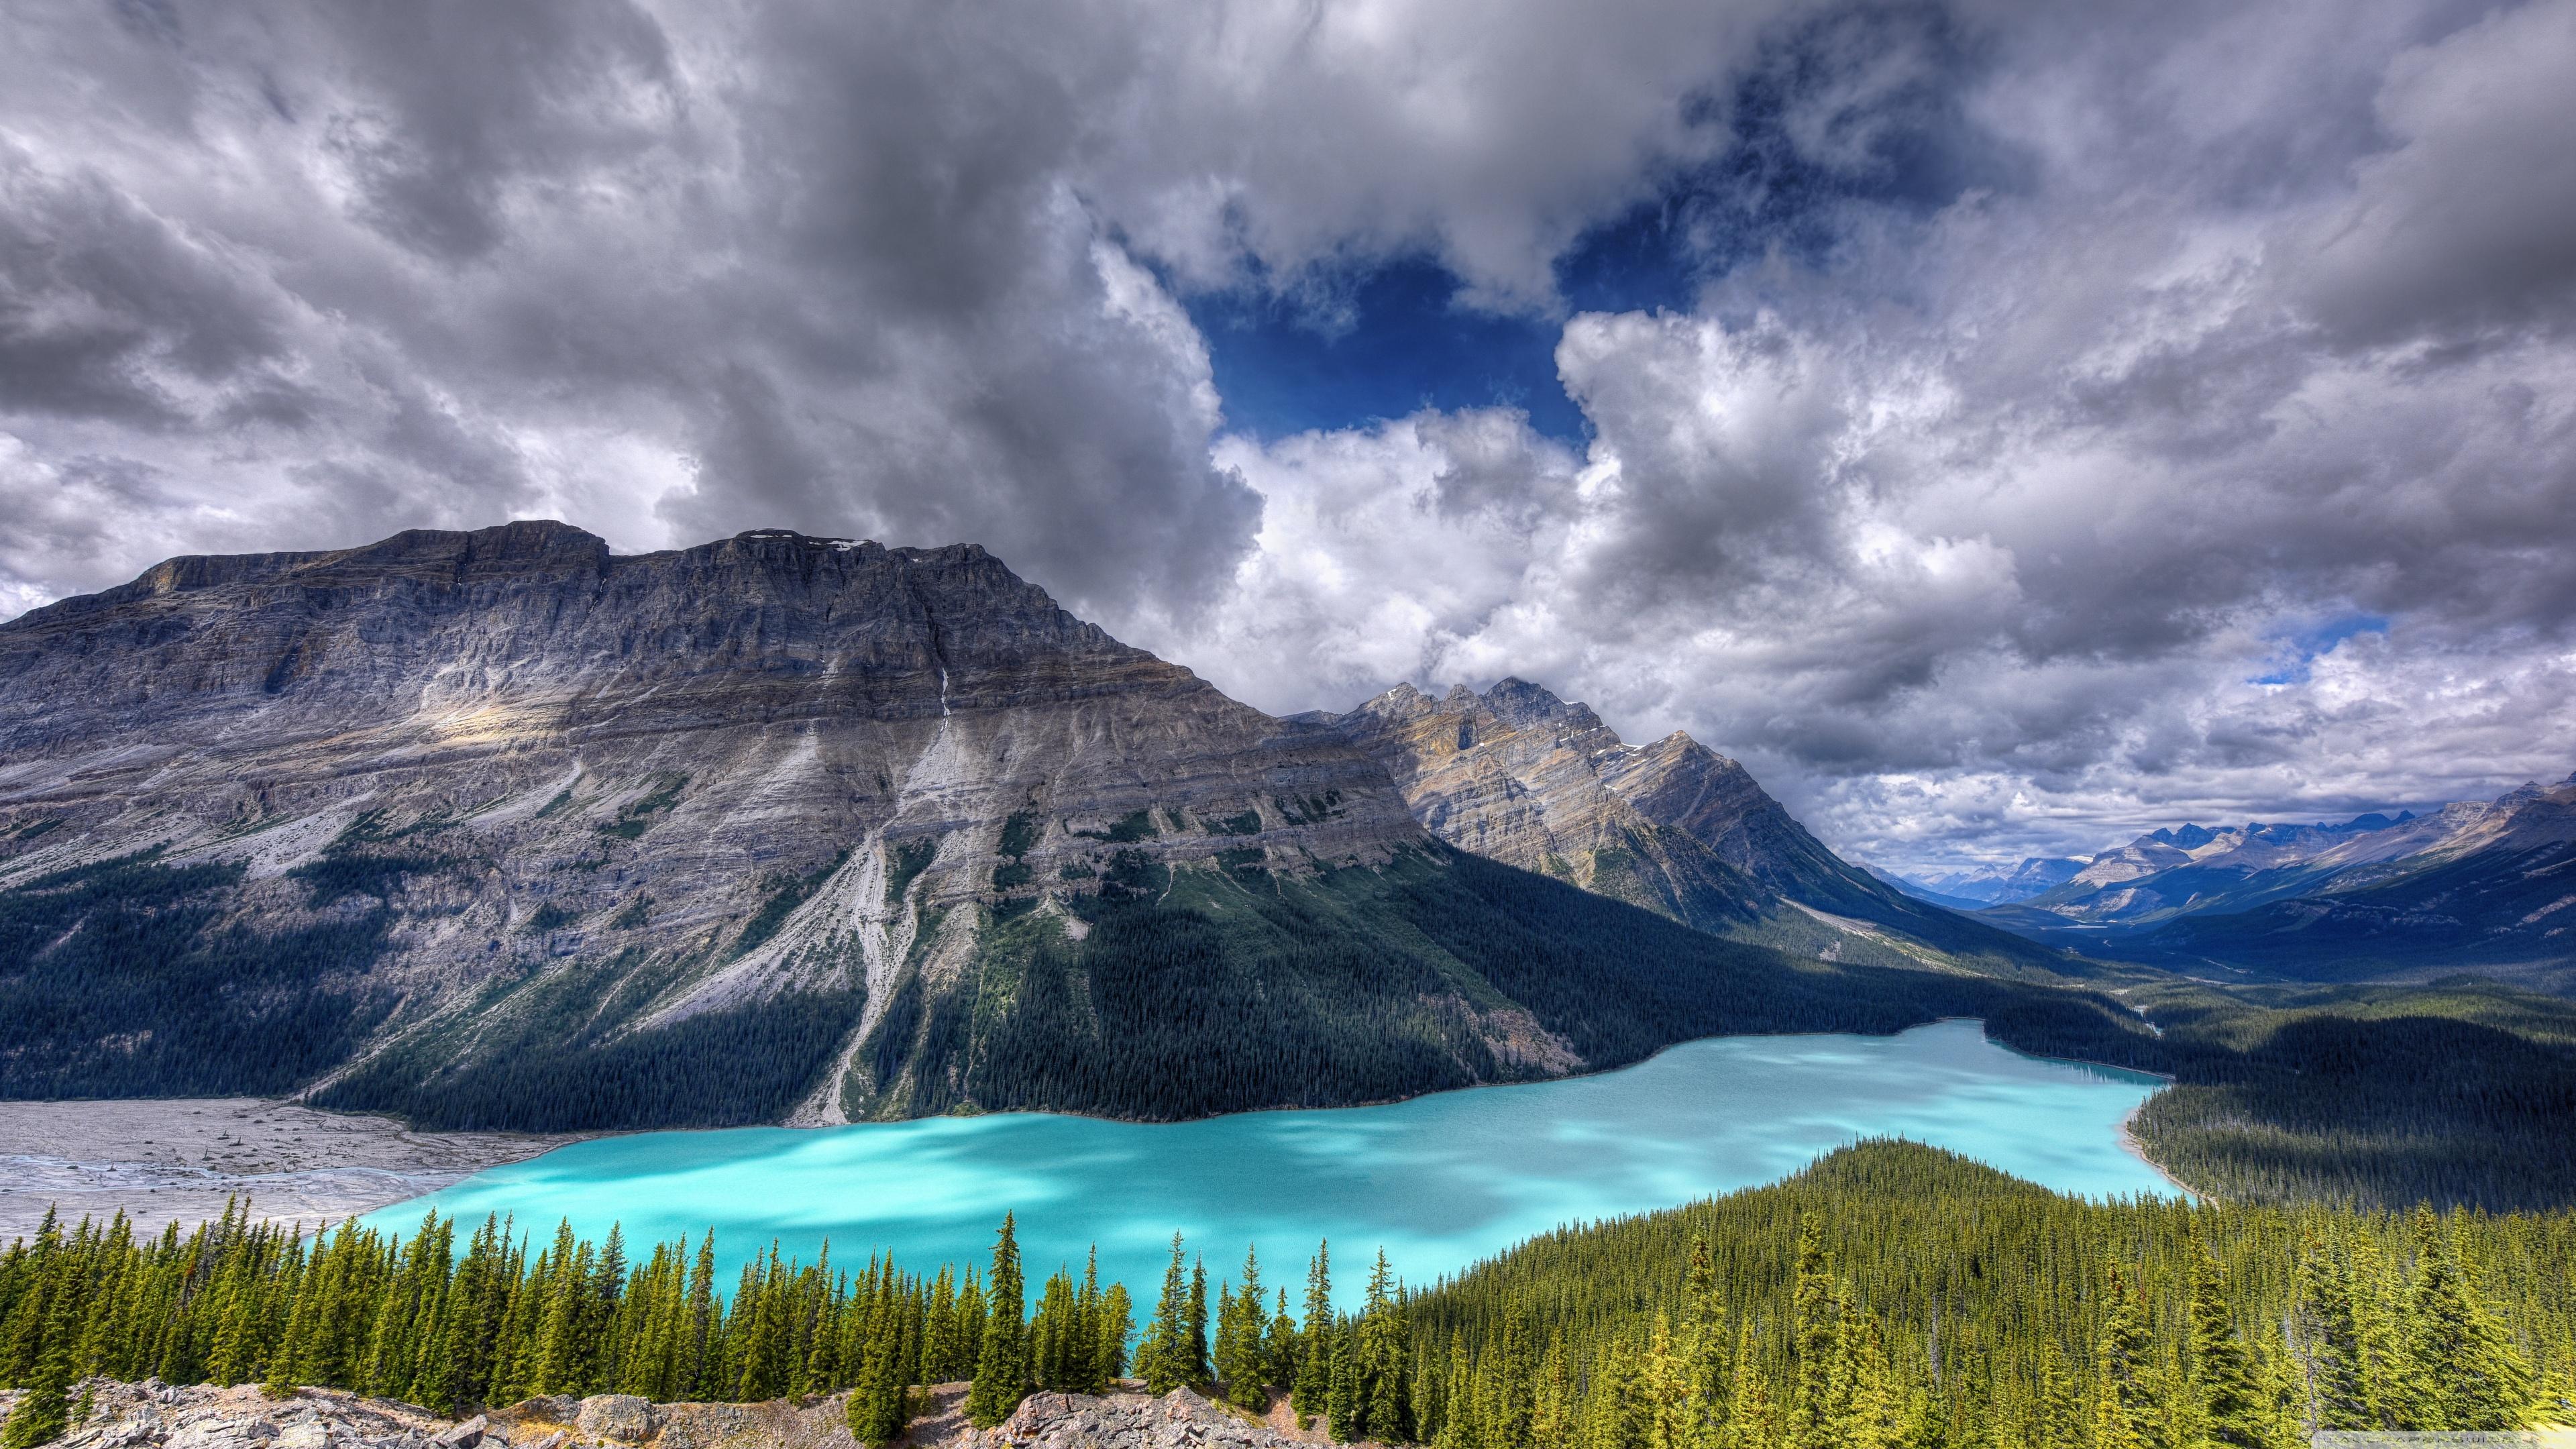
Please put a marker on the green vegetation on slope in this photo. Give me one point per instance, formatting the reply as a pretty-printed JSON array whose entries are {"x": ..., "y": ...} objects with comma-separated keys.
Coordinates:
[
  {"x": 125, "y": 979},
  {"x": 1891, "y": 1295},
  {"x": 565, "y": 1055},
  {"x": 1897, "y": 1295},
  {"x": 2382, "y": 1096},
  {"x": 1200, "y": 991}
]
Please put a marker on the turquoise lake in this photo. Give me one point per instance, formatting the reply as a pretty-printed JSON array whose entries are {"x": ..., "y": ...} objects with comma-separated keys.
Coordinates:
[{"x": 1439, "y": 1182}]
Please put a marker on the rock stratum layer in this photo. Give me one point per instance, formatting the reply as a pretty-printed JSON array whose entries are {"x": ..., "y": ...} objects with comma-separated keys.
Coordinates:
[{"x": 498, "y": 829}]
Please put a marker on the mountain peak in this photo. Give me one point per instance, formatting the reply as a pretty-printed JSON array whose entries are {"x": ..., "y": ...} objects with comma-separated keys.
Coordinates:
[
  {"x": 1521, "y": 775},
  {"x": 1520, "y": 703}
]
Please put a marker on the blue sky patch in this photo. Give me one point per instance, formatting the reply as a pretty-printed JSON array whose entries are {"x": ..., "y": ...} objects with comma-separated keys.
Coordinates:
[{"x": 2302, "y": 648}]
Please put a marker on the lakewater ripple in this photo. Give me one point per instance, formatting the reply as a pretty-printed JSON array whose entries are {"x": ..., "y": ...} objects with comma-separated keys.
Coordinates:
[{"x": 1439, "y": 1181}]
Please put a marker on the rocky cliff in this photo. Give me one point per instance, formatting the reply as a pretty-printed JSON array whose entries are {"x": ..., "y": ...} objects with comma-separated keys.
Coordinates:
[
  {"x": 1518, "y": 775},
  {"x": 500, "y": 829}
]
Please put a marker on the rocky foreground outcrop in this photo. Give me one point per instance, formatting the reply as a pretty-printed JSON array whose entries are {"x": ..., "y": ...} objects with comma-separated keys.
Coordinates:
[{"x": 152, "y": 1415}]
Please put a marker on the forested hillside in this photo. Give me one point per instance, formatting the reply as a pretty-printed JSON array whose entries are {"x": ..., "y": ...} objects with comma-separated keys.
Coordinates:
[
  {"x": 1212, "y": 991},
  {"x": 1891, "y": 1295},
  {"x": 1189, "y": 990},
  {"x": 2383, "y": 1096}
]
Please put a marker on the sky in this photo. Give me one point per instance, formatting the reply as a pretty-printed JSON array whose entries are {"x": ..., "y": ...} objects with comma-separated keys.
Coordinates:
[{"x": 2003, "y": 426}]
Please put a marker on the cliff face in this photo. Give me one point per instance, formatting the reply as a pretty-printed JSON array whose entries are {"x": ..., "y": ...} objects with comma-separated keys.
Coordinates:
[
  {"x": 771, "y": 767},
  {"x": 1521, "y": 776},
  {"x": 497, "y": 829}
]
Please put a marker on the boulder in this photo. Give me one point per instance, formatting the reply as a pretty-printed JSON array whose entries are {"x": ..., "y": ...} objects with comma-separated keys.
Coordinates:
[{"x": 622, "y": 1417}]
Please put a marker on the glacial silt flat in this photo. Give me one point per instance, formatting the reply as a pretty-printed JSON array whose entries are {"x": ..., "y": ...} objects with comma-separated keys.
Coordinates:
[{"x": 1438, "y": 1181}]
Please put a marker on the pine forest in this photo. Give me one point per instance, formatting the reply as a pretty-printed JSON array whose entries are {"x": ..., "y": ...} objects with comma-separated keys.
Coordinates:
[{"x": 1890, "y": 1295}]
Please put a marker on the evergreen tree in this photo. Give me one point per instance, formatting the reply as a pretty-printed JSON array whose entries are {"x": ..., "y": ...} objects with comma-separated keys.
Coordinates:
[
  {"x": 1001, "y": 1369},
  {"x": 1117, "y": 1320},
  {"x": 2232, "y": 1412},
  {"x": 2466, "y": 1373},
  {"x": 1552, "y": 1416},
  {"x": 1344, "y": 1403},
  {"x": 1380, "y": 1360},
  {"x": 877, "y": 1409},
  {"x": 45, "y": 1411},
  {"x": 1279, "y": 1346},
  {"x": 2126, "y": 1414},
  {"x": 1815, "y": 1345},
  {"x": 1752, "y": 1414},
  {"x": 1162, "y": 1359},
  {"x": 1614, "y": 1412},
  {"x": 2056, "y": 1418},
  {"x": 1196, "y": 1371},
  {"x": 1313, "y": 1385},
  {"x": 1242, "y": 1365},
  {"x": 2329, "y": 1332}
]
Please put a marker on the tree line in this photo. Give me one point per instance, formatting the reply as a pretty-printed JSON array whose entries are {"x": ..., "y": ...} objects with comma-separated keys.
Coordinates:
[{"x": 1890, "y": 1296}]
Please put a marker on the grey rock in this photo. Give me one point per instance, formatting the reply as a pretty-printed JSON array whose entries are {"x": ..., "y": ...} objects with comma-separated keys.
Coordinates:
[
  {"x": 1175, "y": 1421},
  {"x": 465, "y": 1435},
  {"x": 535, "y": 733},
  {"x": 1521, "y": 776},
  {"x": 617, "y": 1416}
]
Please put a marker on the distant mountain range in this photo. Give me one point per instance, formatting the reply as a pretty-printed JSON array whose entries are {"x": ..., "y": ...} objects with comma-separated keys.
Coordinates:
[
  {"x": 2490, "y": 883},
  {"x": 1988, "y": 885},
  {"x": 501, "y": 829}
]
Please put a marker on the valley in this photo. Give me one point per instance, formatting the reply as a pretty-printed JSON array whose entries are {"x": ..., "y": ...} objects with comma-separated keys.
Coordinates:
[{"x": 783, "y": 892}]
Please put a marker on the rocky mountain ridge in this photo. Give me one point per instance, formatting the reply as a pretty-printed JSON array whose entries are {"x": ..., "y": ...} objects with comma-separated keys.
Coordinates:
[
  {"x": 1991, "y": 885},
  {"x": 1519, "y": 775},
  {"x": 770, "y": 767},
  {"x": 497, "y": 829},
  {"x": 2477, "y": 880}
]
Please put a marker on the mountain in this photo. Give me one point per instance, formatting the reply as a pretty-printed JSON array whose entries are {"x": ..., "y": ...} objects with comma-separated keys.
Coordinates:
[
  {"x": 1518, "y": 775},
  {"x": 497, "y": 828},
  {"x": 2497, "y": 888},
  {"x": 1925, "y": 893},
  {"x": 2477, "y": 880},
  {"x": 1988, "y": 885}
]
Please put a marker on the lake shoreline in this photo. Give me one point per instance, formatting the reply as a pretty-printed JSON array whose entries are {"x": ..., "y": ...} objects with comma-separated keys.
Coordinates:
[
  {"x": 162, "y": 1160},
  {"x": 1439, "y": 1180}
]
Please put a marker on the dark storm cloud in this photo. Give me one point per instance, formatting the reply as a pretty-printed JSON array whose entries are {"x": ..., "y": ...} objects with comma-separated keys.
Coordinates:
[
  {"x": 452, "y": 105},
  {"x": 826, "y": 270},
  {"x": 98, "y": 296}
]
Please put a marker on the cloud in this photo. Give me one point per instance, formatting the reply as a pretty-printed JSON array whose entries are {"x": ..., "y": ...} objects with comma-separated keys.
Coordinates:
[
  {"x": 2459, "y": 230},
  {"x": 1986, "y": 532},
  {"x": 2025, "y": 380}
]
